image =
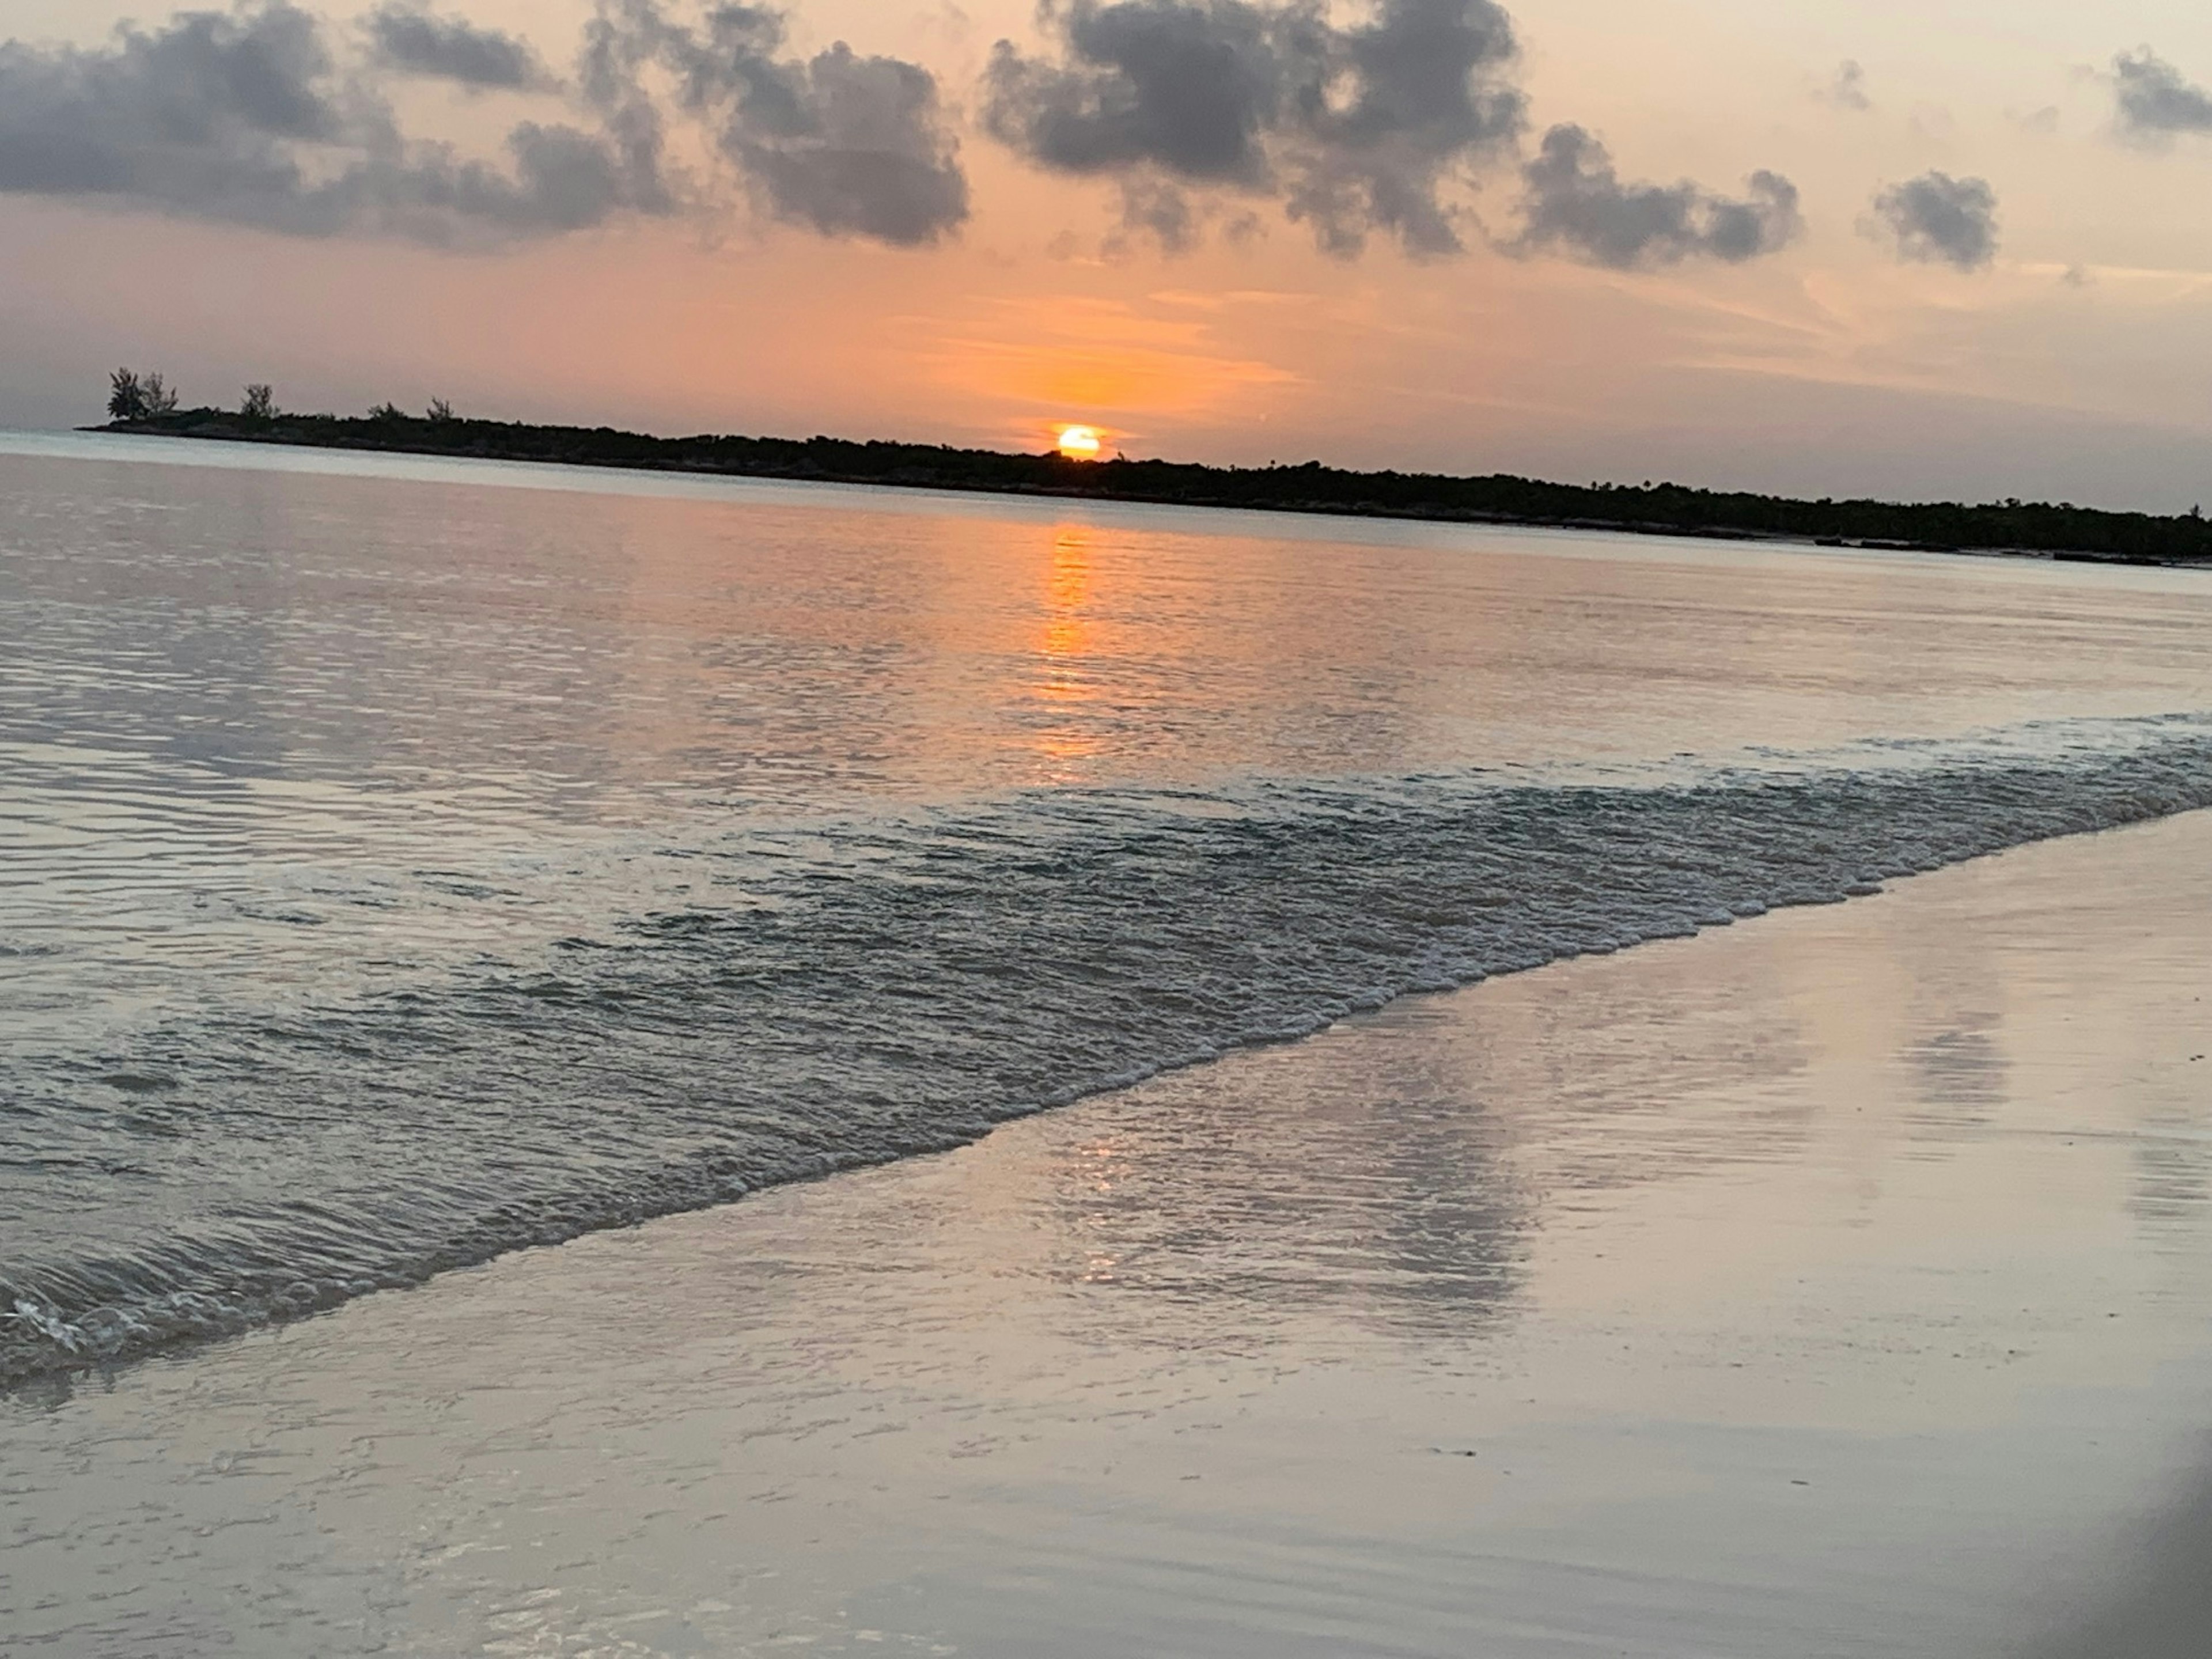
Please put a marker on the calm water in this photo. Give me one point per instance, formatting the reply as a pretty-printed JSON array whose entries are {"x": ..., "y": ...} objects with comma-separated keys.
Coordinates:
[{"x": 407, "y": 861}]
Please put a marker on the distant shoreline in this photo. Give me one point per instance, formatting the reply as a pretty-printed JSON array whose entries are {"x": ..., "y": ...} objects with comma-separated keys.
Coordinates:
[{"x": 2036, "y": 530}]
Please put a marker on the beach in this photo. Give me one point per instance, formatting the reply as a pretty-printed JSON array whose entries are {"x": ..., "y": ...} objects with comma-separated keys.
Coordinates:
[
  {"x": 1104, "y": 829},
  {"x": 1834, "y": 1284}
]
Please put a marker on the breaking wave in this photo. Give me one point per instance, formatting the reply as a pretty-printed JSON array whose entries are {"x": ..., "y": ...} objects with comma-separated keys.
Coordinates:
[{"x": 884, "y": 986}]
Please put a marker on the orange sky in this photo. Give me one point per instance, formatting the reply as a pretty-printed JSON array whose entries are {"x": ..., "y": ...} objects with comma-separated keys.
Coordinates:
[{"x": 2076, "y": 362}]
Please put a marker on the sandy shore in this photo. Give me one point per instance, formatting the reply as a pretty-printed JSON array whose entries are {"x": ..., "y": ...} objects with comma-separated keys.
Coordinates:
[{"x": 1833, "y": 1284}]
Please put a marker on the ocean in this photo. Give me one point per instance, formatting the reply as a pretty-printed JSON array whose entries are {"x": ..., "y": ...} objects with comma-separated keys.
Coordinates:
[{"x": 404, "y": 863}]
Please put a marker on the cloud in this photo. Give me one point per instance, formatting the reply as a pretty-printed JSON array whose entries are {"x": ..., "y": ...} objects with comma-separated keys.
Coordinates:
[
  {"x": 1937, "y": 219},
  {"x": 409, "y": 40},
  {"x": 1574, "y": 202},
  {"x": 1195, "y": 89},
  {"x": 245, "y": 116},
  {"x": 1161, "y": 211},
  {"x": 2155, "y": 100},
  {"x": 841, "y": 144},
  {"x": 206, "y": 109},
  {"x": 1425, "y": 99},
  {"x": 1846, "y": 88},
  {"x": 1357, "y": 129},
  {"x": 562, "y": 180},
  {"x": 254, "y": 115}
]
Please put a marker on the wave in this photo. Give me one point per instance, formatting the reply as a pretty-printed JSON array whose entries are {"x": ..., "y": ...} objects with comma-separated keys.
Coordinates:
[{"x": 883, "y": 987}]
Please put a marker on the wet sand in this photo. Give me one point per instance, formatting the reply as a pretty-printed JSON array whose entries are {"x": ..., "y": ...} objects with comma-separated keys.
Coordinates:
[{"x": 1835, "y": 1284}]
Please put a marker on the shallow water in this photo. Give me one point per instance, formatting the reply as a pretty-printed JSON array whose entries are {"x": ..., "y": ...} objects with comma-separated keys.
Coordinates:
[
  {"x": 405, "y": 861},
  {"x": 1833, "y": 1287}
]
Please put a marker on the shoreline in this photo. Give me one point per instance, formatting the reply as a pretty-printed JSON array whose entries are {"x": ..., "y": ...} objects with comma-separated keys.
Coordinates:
[
  {"x": 1842, "y": 1297},
  {"x": 51, "y": 1340},
  {"x": 1969, "y": 530}
]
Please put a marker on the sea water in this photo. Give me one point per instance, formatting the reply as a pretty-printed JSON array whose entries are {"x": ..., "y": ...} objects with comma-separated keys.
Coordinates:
[{"x": 403, "y": 862}]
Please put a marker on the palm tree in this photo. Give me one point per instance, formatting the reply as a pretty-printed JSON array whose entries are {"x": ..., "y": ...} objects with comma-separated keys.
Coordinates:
[{"x": 126, "y": 399}]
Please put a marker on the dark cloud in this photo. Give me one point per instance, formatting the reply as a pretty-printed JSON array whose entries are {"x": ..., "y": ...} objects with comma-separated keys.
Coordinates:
[
  {"x": 412, "y": 41},
  {"x": 207, "y": 109},
  {"x": 252, "y": 116},
  {"x": 869, "y": 154},
  {"x": 1358, "y": 130},
  {"x": 1424, "y": 98},
  {"x": 842, "y": 144},
  {"x": 1939, "y": 220},
  {"x": 2155, "y": 102},
  {"x": 245, "y": 116},
  {"x": 207, "y": 116},
  {"x": 1195, "y": 88},
  {"x": 1574, "y": 202}
]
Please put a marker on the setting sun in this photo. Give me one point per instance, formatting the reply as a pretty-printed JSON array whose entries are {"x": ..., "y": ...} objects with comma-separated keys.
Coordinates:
[{"x": 1080, "y": 443}]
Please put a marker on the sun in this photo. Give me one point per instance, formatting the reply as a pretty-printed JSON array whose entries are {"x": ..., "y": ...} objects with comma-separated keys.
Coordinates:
[{"x": 1080, "y": 443}]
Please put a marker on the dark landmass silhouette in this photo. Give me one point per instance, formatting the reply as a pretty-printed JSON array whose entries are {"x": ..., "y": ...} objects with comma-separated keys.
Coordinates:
[{"x": 2058, "y": 531}]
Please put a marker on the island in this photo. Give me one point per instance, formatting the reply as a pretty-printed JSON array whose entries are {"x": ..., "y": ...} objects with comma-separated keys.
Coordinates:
[{"x": 2039, "y": 529}]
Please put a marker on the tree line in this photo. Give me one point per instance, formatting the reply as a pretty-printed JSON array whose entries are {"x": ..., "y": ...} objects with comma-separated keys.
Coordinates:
[
  {"x": 2061, "y": 529},
  {"x": 134, "y": 397}
]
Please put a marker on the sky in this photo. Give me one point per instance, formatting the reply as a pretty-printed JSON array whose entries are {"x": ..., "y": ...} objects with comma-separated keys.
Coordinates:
[{"x": 1912, "y": 248}]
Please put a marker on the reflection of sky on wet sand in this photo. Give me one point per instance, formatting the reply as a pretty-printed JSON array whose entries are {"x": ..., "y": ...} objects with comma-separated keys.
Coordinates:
[{"x": 1832, "y": 1283}]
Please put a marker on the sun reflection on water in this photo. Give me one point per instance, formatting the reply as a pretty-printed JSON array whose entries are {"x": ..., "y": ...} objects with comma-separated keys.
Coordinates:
[{"x": 1066, "y": 678}]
